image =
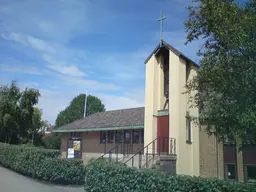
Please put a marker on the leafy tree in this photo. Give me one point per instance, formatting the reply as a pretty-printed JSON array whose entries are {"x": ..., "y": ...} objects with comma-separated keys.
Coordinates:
[
  {"x": 52, "y": 141},
  {"x": 75, "y": 110},
  {"x": 16, "y": 112},
  {"x": 35, "y": 131},
  {"x": 226, "y": 80}
]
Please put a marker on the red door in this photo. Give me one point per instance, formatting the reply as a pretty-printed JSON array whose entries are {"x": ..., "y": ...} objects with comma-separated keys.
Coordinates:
[{"x": 163, "y": 134}]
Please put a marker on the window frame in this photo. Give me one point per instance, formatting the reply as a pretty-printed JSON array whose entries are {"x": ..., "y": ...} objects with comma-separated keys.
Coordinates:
[
  {"x": 75, "y": 134},
  {"x": 109, "y": 135},
  {"x": 129, "y": 138},
  {"x": 102, "y": 135},
  {"x": 142, "y": 136},
  {"x": 226, "y": 171},
  {"x": 118, "y": 133},
  {"x": 133, "y": 136},
  {"x": 246, "y": 173}
]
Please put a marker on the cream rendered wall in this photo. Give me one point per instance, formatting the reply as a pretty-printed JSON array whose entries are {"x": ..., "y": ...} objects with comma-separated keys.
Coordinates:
[
  {"x": 154, "y": 97},
  {"x": 187, "y": 154},
  {"x": 195, "y": 130}
]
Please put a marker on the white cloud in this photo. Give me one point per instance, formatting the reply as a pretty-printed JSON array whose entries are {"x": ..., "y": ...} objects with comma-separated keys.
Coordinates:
[
  {"x": 88, "y": 84},
  {"x": 64, "y": 69},
  {"x": 113, "y": 102},
  {"x": 28, "y": 40}
]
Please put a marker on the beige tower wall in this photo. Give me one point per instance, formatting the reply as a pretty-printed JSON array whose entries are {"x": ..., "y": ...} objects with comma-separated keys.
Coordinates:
[
  {"x": 187, "y": 154},
  {"x": 154, "y": 97}
]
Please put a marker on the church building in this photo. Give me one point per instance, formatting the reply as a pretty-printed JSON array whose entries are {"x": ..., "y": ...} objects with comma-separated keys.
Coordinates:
[{"x": 162, "y": 127}]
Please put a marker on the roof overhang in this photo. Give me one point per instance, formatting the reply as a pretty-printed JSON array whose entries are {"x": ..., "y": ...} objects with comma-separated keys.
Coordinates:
[
  {"x": 165, "y": 45},
  {"x": 97, "y": 129}
]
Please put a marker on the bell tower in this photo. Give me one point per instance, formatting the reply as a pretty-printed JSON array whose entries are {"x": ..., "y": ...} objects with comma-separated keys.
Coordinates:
[{"x": 157, "y": 93}]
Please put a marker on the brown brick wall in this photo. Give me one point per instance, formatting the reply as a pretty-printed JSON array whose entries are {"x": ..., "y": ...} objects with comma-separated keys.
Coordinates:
[
  {"x": 214, "y": 156},
  {"x": 64, "y": 142},
  {"x": 91, "y": 143},
  {"x": 211, "y": 156},
  {"x": 208, "y": 155},
  {"x": 220, "y": 152}
]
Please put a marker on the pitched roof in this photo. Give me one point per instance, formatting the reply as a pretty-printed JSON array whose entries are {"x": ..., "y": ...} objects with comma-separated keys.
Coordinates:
[
  {"x": 169, "y": 47},
  {"x": 133, "y": 117}
]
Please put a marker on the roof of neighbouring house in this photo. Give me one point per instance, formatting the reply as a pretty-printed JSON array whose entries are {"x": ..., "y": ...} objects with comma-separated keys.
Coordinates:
[
  {"x": 108, "y": 120},
  {"x": 174, "y": 50}
]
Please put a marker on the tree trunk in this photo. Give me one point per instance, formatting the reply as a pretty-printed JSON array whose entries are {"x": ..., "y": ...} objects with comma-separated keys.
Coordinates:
[
  {"x": 33, "y": 138},
  {"x": 9, "y": 140}
]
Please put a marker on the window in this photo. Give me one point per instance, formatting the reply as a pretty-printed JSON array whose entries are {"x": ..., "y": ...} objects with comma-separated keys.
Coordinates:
[
  {"x": 110, "y": 136},
  {"x": 118, "y": 136},
  {"x": 188, "y": 128},
  {"x": 136, "y": 136},
  {"x": 103, "y": 137},
  {"x": 75, "y": 134},
  {"x": 250, "y": 174},
  {"x": 142, "y": 136},
  {"x": 230, "y": 172},
  {"x": 127, "y": 136}
]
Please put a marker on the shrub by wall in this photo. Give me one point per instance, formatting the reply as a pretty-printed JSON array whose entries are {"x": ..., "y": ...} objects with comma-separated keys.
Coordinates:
[
  {"x": 42, "y": 164},
  {"x": 104, "y": 177}
]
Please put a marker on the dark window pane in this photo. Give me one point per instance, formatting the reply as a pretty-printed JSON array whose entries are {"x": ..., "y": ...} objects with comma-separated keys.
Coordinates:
[
  {"x": 251, "y": 174},
  {"x": 118, "y": 136},
  {"x": 102, "y": 137},
  {"x": 230, "y": 172},
  {"x": 142, "y": 136},
  {"x": 136, "y": 136},
  {"x": 110, "y": 136},
  {"x": 70, "y": 143},
  {"x": 127, "y": 136}
]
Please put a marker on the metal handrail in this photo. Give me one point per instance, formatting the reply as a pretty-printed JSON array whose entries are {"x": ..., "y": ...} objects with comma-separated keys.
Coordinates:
[
  {"x": 171, "y": 149},
  {"x": 123, "y": 148}
]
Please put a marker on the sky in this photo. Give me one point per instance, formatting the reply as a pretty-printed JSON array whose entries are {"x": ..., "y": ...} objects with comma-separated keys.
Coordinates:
[{"x": 65, "y": 47}]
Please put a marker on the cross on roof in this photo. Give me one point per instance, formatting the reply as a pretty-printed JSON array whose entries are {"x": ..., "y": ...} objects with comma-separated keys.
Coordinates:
[{"x": 161, "y": 19}]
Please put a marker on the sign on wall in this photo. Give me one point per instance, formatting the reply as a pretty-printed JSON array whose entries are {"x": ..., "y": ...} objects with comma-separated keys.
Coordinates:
[
  {"x": 74, "y": 149},
  {"x": 71, "y": 153}
]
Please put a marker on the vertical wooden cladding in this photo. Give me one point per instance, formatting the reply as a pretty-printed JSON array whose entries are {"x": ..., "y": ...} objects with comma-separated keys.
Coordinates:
[{"x": 163, "y": 133}]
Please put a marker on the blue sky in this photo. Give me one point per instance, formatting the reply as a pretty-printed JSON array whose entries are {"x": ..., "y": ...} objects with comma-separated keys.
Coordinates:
[{"x": 64, "y": 47}]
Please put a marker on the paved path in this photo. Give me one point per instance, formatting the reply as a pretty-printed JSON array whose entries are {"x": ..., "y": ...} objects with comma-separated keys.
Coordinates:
[{"x": 13, "y": 182}]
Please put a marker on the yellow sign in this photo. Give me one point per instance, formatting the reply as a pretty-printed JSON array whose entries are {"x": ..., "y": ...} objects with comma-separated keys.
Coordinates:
[{"x": 76, "y": 145}]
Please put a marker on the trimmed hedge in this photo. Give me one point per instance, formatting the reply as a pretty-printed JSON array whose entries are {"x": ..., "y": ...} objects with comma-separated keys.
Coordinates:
[
  {"x": 102, "y": 176},
  {"x": 42, "y": 164}
]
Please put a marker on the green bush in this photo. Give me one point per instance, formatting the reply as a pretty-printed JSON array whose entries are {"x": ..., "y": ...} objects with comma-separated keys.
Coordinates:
[
  {"x": 42, "y": 164},
  {"x": 104, "y": 176}
]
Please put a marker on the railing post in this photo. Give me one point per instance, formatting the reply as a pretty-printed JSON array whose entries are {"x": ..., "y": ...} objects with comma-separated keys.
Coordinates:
[
  {"x": 162, "y": 144},
  {"x": 110, "y": 156},
  {"x": 140, "y": 159},
  {"x": 147, "y": 158},
  {"x": 175, "y": 146},
  {"x": 117, "y": 153},
  {"x": 153, "y": 148},
  {"x": 158, "y": 144},
  {"x": 127, "y": 150},
  {"x": 170, "y": 146},
  {"x": 132, "y": 161},
  {"x": 105, "y": 147}
]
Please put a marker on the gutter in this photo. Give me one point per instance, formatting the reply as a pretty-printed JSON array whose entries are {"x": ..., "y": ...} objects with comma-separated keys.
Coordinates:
[{"x": 97, "y": 129}]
